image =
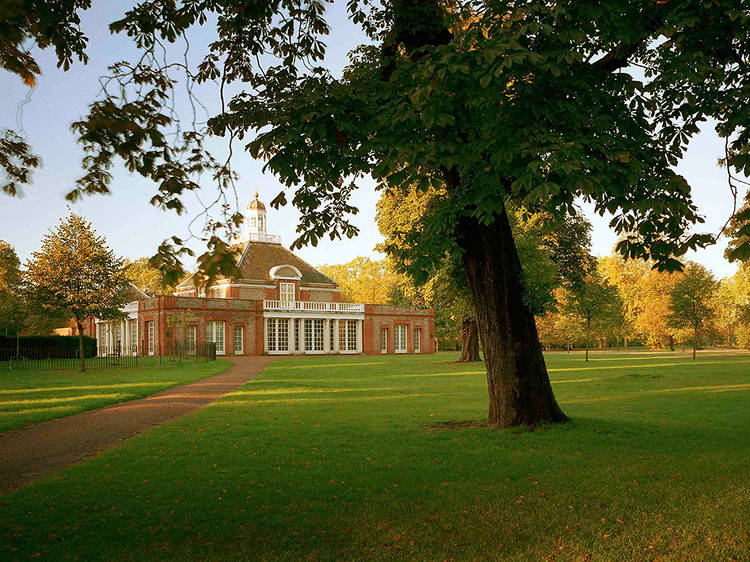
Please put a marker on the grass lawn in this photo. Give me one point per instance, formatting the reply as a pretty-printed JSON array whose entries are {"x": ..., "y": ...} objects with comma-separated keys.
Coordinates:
[
  {"x": 341, "y": 458},
  {"x": 31, "y": 397}
]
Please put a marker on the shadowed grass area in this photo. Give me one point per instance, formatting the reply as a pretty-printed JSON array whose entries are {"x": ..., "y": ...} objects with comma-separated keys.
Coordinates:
[
  {"x": 390, "y": 459},
  {"x": 33, "y": 397}
]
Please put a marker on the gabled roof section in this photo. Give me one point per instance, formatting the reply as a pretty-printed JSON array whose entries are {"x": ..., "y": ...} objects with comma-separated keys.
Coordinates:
[
  {"x": 135, "y": 294},
  {"x": 259, "y": 258}
]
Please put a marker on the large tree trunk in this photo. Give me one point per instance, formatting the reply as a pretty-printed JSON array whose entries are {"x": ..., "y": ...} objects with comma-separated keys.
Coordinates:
[
  {"x": 82, "y": 357},
  {"x": 469, "y": 341},
  {"x": 519, "y": 389}
]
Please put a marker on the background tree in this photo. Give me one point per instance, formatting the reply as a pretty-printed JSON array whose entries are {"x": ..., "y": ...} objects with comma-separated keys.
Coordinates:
[
  {"x": 146, "y": 277},
  {"x": 558, "y": 327},
  {"x": 525, "y": 101},
  {"x": 364, "y": 280},
  {"x": 76, "y": 275},
  {"x": 596, "y": 305},
  {"x": 13, "y": 309},
  {"x": 691, "y": 299}
]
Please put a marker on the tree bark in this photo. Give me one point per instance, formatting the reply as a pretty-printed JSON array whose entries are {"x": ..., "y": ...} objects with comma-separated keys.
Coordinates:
[
  {"x": 82, "y": 357},
  {"x": 469, "y": 341},
  {"x": 695, "y": 342},
  {"x": 519, "y": 389}
]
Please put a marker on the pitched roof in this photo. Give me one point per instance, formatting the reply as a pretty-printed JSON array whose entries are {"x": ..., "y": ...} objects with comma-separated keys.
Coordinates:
[
  {"x": 135, "y": 294},
  {"x": 257, "y": 259}
]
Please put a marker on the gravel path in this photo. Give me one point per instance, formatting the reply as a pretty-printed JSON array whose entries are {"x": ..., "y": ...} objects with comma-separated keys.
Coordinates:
[{"x": 44, "y": 448}]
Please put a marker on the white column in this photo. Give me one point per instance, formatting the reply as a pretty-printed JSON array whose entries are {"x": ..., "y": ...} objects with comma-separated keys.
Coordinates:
[
  {"x": 336, "y": 336},
  {"x": 359, "y": 336},
  {"x": 126, "y": 337},
  {"x": 290, "y": 335},
  {"x": 326, "y": 335}
]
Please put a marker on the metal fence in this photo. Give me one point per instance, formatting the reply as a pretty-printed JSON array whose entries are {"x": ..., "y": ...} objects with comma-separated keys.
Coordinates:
[{"x": 65, "y": 359}]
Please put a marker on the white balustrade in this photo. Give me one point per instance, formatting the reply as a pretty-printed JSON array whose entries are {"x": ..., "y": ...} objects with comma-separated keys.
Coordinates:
[
  {"x": 313, "y": 306},
  {"x": 263, "y": 237}
]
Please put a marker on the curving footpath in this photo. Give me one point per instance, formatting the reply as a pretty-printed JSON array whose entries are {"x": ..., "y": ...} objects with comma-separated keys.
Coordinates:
[{"x": 44, "y": 448}]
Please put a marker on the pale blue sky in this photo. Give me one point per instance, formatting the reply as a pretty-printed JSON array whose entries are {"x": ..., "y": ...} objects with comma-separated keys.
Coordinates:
[{"x": 134, "y": 228}]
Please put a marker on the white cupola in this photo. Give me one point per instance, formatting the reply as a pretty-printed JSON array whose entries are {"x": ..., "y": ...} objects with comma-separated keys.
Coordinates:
[
  {"x": 255, "y": 219},
  {"x": 254, "y": 227}
]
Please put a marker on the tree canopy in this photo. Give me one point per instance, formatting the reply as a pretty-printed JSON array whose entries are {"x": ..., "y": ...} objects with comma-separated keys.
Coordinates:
[
  {"x": 364, "y": 280},
  {"x": 531, "y": 102},
  {"x": 588, "y": 98},
  {"x": 692, "y": 301},
  {"x": 75, "y": 274},
  {"x": 146, "y": 277}
]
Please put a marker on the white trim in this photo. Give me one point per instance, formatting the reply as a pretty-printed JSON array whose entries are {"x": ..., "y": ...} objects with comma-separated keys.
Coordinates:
[
  {"x": 313, "y": 306},
  {"x": 214, "y": 333},
  {"x": 272, "y": 272},
  {"x": 301, "y": 314},
  {"x": 398, "y": 339},
  {"x": 242, "y": 339}
]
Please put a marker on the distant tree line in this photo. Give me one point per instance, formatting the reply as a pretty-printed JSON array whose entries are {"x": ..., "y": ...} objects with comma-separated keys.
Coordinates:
[{"x": 580, "y": 301}]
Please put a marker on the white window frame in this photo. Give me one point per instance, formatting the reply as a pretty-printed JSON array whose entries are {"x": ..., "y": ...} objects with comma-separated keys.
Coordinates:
[
  {"x": 287, "y": 292},
  {"x": 348, "y": 336},
  {"x": 216, "y": 335},
  {"x": 133, "y": 333},
  {"x": 239, "y": 349},
  {"x": 313, "y": 332},
  {"x": 271, "y": 335},
  {"x": 401, "y": 338},
  {"x": 418, "y": 340},
  {"x": 191, "y": 337},
  {"x": 383, "y": 340},
  {"x": 151, "y": 331},
  {"x": 318, "y": 335}
]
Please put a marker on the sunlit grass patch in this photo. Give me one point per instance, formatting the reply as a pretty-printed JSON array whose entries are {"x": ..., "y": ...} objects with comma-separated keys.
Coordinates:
[
  {"x": 35, "y": 397},
  {"x": 394, "y": 460},
  {"x": 76, "y": 387}
]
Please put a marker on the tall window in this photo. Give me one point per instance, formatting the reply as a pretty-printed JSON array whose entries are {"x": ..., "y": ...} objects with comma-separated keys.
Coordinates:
[
  {"x": 286, "y": 292},
  {"x": 296, "y": 333},
  {"x": 151, "y": 337},
  {"x": 347, "y": 335},
  {"x": 317, "y": 335},
  {"x": 116, "y": 335},
  {"x": 239, "y": 340},
  {"x": 101, "y": 338},
  {"x": 383, "y": 340},
  {"x": 401, "y": 338},
  {"x": 313, "y": 335},
  {"x": 331, "y": 335},
  {"x": 308, "y": 335},
  {"x": 278, "y": 334},
  {"x": 190, "y": 336},
  {"x": 418, "y": 340},
  {"x": 271, "y": 339},
  {"x": 133, "y": 334},
  {"x": 215, "y": 334}
]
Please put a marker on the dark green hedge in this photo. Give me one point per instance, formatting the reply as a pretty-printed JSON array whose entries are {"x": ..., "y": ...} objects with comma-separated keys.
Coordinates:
[{"x": 42, "y": 347}]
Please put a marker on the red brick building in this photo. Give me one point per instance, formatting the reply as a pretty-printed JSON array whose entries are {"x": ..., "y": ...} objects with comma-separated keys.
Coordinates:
[{"x": 279, "y": 305}]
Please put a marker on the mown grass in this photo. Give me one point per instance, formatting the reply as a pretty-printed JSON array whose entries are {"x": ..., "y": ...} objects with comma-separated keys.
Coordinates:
[
  {"x": 351, "y": 458},
  {"x": 31, "y": 397}
]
